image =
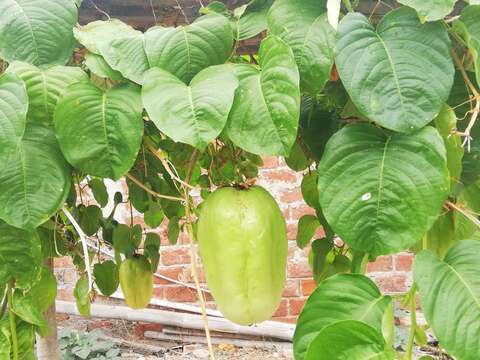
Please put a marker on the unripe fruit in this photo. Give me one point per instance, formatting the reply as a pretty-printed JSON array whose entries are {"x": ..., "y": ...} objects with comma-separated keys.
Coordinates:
[
  {"x": 136, "y": 281},
  {"x": 243, "y": 244}
]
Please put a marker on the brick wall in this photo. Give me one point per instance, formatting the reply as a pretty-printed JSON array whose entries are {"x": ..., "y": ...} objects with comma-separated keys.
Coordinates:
[{"x": 391, "y": 273}]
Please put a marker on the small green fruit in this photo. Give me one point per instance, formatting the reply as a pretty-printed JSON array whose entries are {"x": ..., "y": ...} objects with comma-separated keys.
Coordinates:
[{"x": 136, "y": 281}]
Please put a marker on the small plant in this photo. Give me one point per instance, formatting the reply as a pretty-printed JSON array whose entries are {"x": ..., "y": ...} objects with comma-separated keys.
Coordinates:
[{"x": 81, "y": 345}]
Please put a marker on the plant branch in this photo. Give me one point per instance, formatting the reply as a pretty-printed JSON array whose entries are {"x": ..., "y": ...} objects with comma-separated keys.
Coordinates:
[
  {"x": 476, "y": 95},
  {"x": 348, "y": 5},
  {"x": 464, "y": 212},
  {"x": 413, "y": 322},
  {"x": 193, "y": 253},
  {"x": 83, "y": 239},
  {"x": 13, "y": 323},
  {"x": 166, "y": 165},
  {"x": 150, "y": 191}
]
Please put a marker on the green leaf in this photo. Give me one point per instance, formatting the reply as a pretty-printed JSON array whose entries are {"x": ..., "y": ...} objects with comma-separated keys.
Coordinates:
[
  {"x": 90, "y": 219},
  {"x": 304, "y": 26},
  {"x": 25, "y": 308},
  {"x": 99, "y": 191},
  {"x": 382, "y": 191},
  {"x": 446, "y": 123},
  {"x": 309, "y": 190},
  {"x": 469, "y": 19},
  {"x": 25, "y": 339},
  {"x": 44, "y": 291},
  {"x": 37, "y": 31},
  {"x": 186, "y": 50},
  {"x": 409, "y": 89},
  {"x": 13, "y": 115},
  {"x": 154, "y": 215},
  {"x": 471, "y": 164},
  {"x": 450, "y": 297},
  {"x": 430, "y": 10},
  {"x": 121, "y": 46},
  {"x": 97, "y": 65},
  {"x": 194, "y": 114},
  {"x": 123, "y": 240},
  {"x": 152, "y": 247},
  {"x": 262, "y": 109},
  {"x": 82, "y": 296},
  {"x": 307, "y": 225},
  {"x": 20, "y": 256},
  {"x": 349, "y": 339},
  {"x": 173, "y": 230},
  {"x": 44, "y": 87},
  {"x": 321, "y": 249},
  {"x": 341, "y": 297},
  {"x": 35, "y": 183},
  {"x": 106, "y": 277},
  {"x": 253, "y": 20},
  {"x": 297, "y": 160},
  {"x": 100, "y": 132}
]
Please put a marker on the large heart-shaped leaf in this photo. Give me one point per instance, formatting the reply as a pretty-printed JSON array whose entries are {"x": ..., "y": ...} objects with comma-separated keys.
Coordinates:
[
  {"x": 44, "y": 87},
  {"x": 304, "y": 26},
  {"x": 381, "y": 191},
  {"x": 37, "y": 31},
  {"x": 265, "y": 113},
  {"x": 121, "y": 46},
  {"x": 399, "y": 74},
  {"x": 341, "y": 297},
  {"x": 194, "y": 114},
  {"x": 450, "y": 297},
  {"x": 469, "y": 27},
  {"x": 36, "y": 181},
  {"x": 20, "y": 256},
  {"x": 430, "y": 10},
  {"x": 100, "y": 132},
  {"x": 186, "y": 50},
  {"x": 253, "y": 20},
  {"x": 349, "y": 339},
  {"x": 13, "y": 115}
]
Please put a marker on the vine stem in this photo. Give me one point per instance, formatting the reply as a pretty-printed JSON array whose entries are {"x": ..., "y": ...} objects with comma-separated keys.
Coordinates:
[
  {"x": 83, "y": 239},
  {"x": 348, "y": 5},
  {"x": 193, "y": 254},
  {"x": 476, "y": 95},
  {"x": 13, "y": 325},
  {"x": 413, "y": 322},
  {"x": 464, "y": 212},
  {"x": 150, "y": 191}
]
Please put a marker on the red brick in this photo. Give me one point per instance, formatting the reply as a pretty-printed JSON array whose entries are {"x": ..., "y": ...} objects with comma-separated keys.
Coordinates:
[
  {"x": 280, "y": 175},
  {"x": 63, "y": 263},
  {"x": 392, "y": 283},
  {"x": 299, "y": 211},
  {"x": 403, "y": 262},
  {"x": 159, "y": 292},
  {"x": 298, "y": 269},
  {"x": 175, "y": 256},
  {"x": 296, "y": 306},
  {"x": 180, "y": 294},
  {"x": 286, "y": 319},
  {"x": 282, "y": 309},
  {"x": 65, "y": 294},
  {"x": 269, "y": 162},
  {"x": 99, "y": 324},
  {"x": 140, "y": 328},
  {"x": 171, "y": 272},
  {"x": 308, "y": 286},
  {"x": 382, "y": 263},
  {"x": 291, "y": 289},
  {"x": 292, "y": 231},
  {"x": 293, "y": 195}
]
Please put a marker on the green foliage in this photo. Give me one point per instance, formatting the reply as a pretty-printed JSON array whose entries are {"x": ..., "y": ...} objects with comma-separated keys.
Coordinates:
[
  {"x": 377, "y": 191},
  {"x": 406, "y": 93},
  {"x": 82, "y": 346},
  {"x": 36, "y": 31},
  {"x": 386, "y": 141},
  {"x": 342, "y": 297},
  {"x": 449, "y": 294}
]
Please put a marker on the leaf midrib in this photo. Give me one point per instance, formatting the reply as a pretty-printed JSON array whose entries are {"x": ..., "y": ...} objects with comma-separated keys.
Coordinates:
[{"x": 467, "y": 286}]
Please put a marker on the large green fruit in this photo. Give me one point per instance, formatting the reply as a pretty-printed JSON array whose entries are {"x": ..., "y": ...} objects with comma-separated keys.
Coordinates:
[
  {"x": 243, "y": 244},
  {"x": 136, "y": 281}
]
